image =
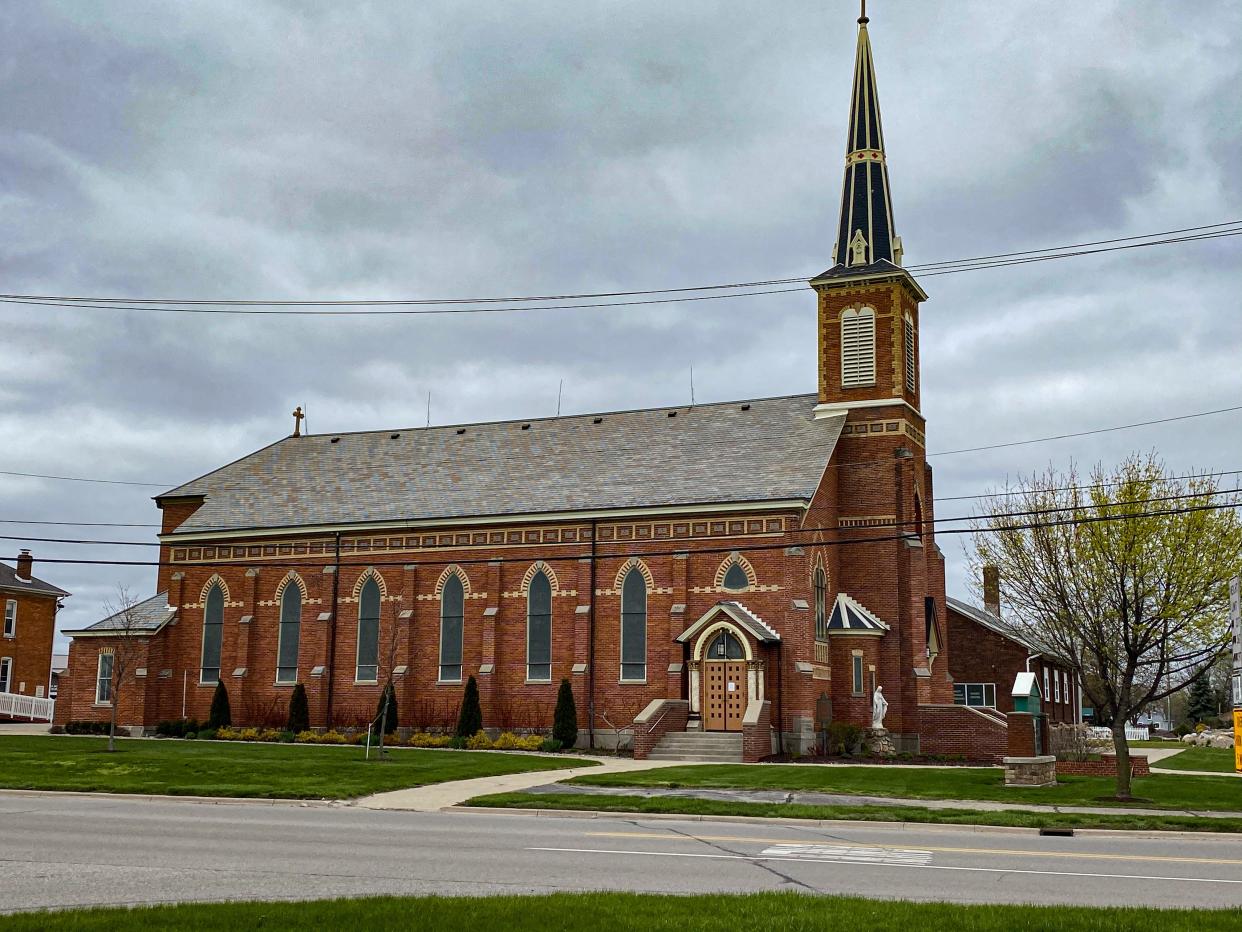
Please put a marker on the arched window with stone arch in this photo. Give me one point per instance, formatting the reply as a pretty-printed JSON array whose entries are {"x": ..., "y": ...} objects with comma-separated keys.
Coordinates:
[
  {"x": 452, "y": 623},
  {"x": 367, "y": 666},
  {"x": 858, "y": 347},
  {"x": 539, "y": 628},
  {"x": 290, "y": 636},
  {"x": 634, "y": 626},
  {"x": 821, "y": 604},
  {"x": 213, "y": 634},
  {"x": 725, "y": 646}
]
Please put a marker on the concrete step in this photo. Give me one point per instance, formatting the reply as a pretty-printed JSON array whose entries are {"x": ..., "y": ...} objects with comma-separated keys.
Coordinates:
[
  {"x": 705, "y": 745},
  {"x": 658, "y": 754}
]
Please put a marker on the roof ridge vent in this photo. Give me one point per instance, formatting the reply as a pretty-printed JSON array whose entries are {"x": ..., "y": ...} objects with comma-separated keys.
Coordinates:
[
  {"x": 460, "y": 431},
  {"x": 335, "y": 440},
  {"x": 525, "y": 427}
]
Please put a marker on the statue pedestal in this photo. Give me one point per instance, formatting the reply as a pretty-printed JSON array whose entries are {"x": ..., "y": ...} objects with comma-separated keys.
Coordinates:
[{"x": 879, "y": 743}]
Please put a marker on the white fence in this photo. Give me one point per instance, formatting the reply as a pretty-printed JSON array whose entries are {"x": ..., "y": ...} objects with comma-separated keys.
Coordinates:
[
  {"x": 1137, "y": 733},
  {"x": 31, "y": 707}
]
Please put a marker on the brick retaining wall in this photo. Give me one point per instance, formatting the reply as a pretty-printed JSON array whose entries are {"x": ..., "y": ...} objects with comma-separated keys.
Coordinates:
[
  {"x": 1105, "y": 767},
  {"x": 659, "y": 718}
]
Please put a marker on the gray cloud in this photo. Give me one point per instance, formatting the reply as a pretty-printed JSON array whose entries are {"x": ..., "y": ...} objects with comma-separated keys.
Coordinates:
[{"x": 287, "y": 150}]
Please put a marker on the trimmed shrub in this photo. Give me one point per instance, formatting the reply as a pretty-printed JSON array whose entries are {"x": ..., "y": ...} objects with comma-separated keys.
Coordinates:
[
  {"x": 299, "y": 711},
  {"x": 389, "y": 723},
  {"x": 221, "y": 716},
  {"x": 844, "y": 738},
  {"x": 470, "y": 719},
  {"x": 479, "y": 742},
  {"x": 457, "y": 742},
  {"x": 550, "y": 745},
  {"x": 420, "y": 739},
  {"x": 86, "y": 728},
  {"x": 206, "y": 734},
  {"x": 565, "y": 719}
]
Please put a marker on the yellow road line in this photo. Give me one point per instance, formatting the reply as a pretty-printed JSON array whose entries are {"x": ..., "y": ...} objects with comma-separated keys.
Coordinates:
[{"x": 1082, "y": 855}]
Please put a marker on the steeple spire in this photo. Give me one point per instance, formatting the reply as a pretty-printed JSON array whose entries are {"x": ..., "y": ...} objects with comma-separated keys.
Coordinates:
[{"x": 865, "y": 231}]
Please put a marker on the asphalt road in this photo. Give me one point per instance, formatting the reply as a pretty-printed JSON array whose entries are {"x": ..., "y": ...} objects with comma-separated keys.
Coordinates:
[{"x": 69, "y": 851}]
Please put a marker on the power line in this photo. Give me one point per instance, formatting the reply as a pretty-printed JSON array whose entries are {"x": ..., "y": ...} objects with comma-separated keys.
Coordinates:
[
  {"x": 918, "y": 525},
  {"x": 869, "y": 463},
  {"x": 310, "y": 564},
  {"x": 1085, "y": 433},
  {"x": 413, "y": 306}
]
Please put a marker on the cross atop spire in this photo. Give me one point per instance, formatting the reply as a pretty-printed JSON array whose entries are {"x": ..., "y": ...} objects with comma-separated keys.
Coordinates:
[{"x": 865, "y": 230}]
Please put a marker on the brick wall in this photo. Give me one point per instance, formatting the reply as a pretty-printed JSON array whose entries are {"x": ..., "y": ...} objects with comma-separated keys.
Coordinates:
[
  {"x": 757, "y": 732},
  {"x": 1106, "y": 766},
  {"x": 30, "y": 647},
  {"x": 980, "y": 655},
  {"x": 657, "y": 720},
  {"x": 958, "y": 730}
]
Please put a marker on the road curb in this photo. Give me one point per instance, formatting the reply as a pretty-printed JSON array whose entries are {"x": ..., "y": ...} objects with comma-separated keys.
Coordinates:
[
  {"x": 201, "y": 800},
  {"x": 828, "y": 823}
]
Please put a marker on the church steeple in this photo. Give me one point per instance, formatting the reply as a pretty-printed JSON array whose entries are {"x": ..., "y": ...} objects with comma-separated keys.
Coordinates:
[{"x": 865, "y": 234}]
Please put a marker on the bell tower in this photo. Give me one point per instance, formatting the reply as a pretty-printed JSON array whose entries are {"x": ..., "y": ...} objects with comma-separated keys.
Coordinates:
[{"x": 868, "y": 321}]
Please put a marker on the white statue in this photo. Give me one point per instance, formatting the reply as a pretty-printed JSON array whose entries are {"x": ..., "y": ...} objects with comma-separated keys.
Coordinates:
[{"x": 879, "y": 705}]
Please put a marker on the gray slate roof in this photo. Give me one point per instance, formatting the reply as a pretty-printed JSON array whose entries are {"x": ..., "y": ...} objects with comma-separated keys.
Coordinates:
[
  {"x": 717, "y": 453},
  {"x": 11, "y": 581},
  {"x": 150, "y": 615}
]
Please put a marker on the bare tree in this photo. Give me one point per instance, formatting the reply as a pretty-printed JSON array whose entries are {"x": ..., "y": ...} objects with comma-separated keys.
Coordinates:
[
  {"x": 126, "y": 651},
  {"x": 1123, "y": 576},
  {"x": 387, "y": 659}
]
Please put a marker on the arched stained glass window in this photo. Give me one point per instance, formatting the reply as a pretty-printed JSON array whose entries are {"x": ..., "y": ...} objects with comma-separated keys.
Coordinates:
[
  {"x": 539, "y": 629},
  {"x": 821, "y": 604},
  {"x": 290, "y": 634},
  {"x": 213, "y": 635},
  {"x": 735, "y": 578},
  {"x": 368, "y": 632},
  {"x": 634, "y": 626},
  {"x": 725, "y": 646},
  {"x": 452, "y": 616}
]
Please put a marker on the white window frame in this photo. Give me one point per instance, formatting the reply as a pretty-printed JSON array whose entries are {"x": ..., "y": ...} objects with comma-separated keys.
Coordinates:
[
  {"x": 857, "y": 347},
  {"x": 103, "y": 687},
  {"x": 858, "y": 674},
  {"x": 984, "y": 689},
  {"x": 1047, "y": 697},
  {"x": 6, "y": 674},
  {"x": 10, "y": 618}
]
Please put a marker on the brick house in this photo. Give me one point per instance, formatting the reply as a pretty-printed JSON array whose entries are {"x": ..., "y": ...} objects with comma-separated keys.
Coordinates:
[
  {"x": 719, "y": 568},
  {"x": 29, "y": 628},
  {"x": 989, "y": 653}
]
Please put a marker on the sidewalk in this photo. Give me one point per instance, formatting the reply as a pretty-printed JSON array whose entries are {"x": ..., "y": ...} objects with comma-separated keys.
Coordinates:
[
  {"x": 838, "y": 799},
  {"x": 438, "y": 796}
]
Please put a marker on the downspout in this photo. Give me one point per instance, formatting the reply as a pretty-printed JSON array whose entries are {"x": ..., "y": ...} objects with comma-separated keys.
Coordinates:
[
  {"x": 780, "y": 697},
  {"x": 591, "y": 646},
  {"x": 336, "y": 589}
]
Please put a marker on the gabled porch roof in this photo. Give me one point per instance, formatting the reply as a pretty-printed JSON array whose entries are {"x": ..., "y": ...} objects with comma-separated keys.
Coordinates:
[
  {"x": 849, "y": 616},
  {"x": 755, "y": 626}
]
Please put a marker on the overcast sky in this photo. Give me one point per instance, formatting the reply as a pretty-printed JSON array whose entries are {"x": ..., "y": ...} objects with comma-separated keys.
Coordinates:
[{"x": 291, "y": 150}]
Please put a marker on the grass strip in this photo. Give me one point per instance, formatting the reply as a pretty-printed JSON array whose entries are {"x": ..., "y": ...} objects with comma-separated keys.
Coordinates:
[
  {"x": 1217, "y": 760},
  {"x": 714, "y": 807},
  {"x": 1159, "y": 791},
  {"x": 661, "y": 913},
  {"x": 175, "y": 767}
]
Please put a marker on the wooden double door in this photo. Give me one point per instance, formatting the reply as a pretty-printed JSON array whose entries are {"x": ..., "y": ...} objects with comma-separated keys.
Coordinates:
[{"x": 724, "y": 695}]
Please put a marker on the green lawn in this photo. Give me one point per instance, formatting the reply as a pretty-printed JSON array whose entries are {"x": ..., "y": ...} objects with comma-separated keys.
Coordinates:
[
  {"x": 1218, "y": 760},
  {"x": 1161, "y": 791},
  {"x": 593, "y": 911},
  {"x": 714, "y": 807},
  {"x": 221, "y": 768}
]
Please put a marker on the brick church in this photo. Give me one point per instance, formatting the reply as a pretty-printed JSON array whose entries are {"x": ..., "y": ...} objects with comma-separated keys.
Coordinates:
[{"x": 748, "y": 567}]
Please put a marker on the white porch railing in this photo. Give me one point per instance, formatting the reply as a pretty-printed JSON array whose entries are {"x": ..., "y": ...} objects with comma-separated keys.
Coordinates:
[{"x": 16, "y": 705}]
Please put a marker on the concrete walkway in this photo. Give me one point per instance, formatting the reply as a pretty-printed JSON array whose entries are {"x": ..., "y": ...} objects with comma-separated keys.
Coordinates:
[
  {"x": 437, "y": 796},
  {"x": 552, "y": 790}
]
